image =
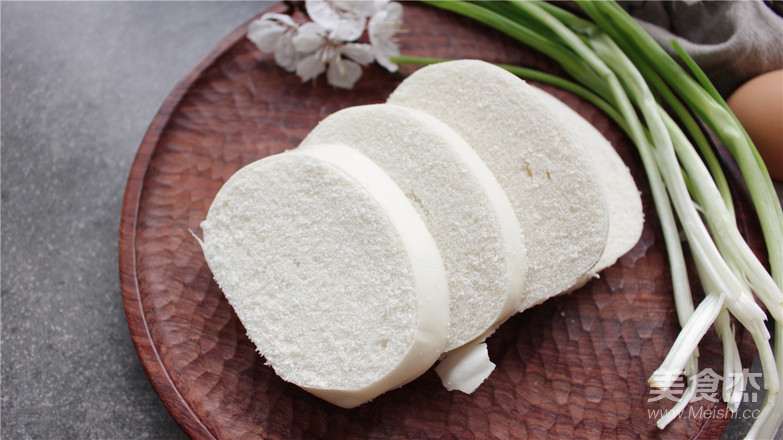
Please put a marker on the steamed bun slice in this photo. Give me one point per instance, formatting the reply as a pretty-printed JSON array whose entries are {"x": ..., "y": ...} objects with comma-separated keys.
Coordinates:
[
  {"x": 626, "y": 217},
  {"x": 335, "y": 277},
  {"x": 545, "y": 173},
  {"x": 459, "y": 199}
]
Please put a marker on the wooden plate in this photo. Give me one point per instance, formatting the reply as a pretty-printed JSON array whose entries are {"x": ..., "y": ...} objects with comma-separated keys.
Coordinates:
[{"x": 574, "y": 367}]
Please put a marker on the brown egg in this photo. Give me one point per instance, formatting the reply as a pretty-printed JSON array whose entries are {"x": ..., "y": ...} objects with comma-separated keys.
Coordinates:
[{"x": 758, "y": 105}]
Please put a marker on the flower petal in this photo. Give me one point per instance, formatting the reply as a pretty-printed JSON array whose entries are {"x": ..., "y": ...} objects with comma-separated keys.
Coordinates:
[
  {"x": 309, "y": 67},
  {"x": 279, "y": 18},
  {"x": 361, "y": 53},
  {"x": 383, "y": 58},
  {"x": 344, "y": 20},
  {"x": 322, "y": 12},
  {"x": 265, "y": 34},
  {"x": 343, "y": 73},
  {"x": 366, "y": 7},
  {"x": 382, "y": 30},
  {"x": 385, "y": 23},
  {"x": 285, "y": 53},
  {"x": 310, "y": 37}
]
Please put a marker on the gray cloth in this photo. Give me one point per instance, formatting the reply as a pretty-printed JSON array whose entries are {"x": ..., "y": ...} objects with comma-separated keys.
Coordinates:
[{"x": 733, "y": 41}]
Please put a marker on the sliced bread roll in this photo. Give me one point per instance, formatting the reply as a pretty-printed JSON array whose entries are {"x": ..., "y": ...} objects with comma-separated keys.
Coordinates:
[
  {"x": 464, "y": 207},
  {"x": 546, "y": 175},
  {"x": 336, "y": 279},
  {"x": 626, "y": 217}
]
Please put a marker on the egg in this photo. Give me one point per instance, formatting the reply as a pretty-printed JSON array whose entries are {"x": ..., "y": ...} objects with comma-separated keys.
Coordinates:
[{"x": 758, "y": 105}]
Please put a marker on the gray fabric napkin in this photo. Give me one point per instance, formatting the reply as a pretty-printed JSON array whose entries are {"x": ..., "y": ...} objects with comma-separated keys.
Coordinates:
[{"x": 733, "y": 41}]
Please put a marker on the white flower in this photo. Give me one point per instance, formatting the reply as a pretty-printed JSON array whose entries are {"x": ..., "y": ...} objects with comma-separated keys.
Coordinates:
[
  {"x": 327, "y": 44},
  {"x": 382, "y": 29},
  {"x": 343, "y": 73},
  {"x": 274, "y": 33},
  {"x": 325, "y": 50},
  {"x": 345, "y": 19}
]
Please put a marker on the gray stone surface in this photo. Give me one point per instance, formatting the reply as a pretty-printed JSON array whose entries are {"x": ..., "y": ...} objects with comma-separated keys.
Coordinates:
[{"x": 80, "y": 84}]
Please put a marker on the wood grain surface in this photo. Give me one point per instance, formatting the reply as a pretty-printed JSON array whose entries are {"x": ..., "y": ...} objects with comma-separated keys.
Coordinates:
[{"x": 574, "y": 367}]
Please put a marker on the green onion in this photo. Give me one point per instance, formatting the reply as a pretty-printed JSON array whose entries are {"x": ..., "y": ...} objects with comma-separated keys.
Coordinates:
[{"x": 619, "y": 68}]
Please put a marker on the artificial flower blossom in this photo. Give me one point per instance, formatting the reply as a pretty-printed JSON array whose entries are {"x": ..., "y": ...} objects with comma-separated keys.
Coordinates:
[{"x": 327, "y": 43}]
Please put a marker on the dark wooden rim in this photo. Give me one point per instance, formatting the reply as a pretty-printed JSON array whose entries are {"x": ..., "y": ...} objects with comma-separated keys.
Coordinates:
[{"x": 131, "y": 296}]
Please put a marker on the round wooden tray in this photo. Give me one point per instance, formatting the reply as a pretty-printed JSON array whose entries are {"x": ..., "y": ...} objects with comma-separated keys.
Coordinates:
[{"x": 574, "y": 367}]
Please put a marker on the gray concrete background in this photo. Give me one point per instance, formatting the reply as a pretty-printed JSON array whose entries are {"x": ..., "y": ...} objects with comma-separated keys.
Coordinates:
[{"x": 80, "y": 84}]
